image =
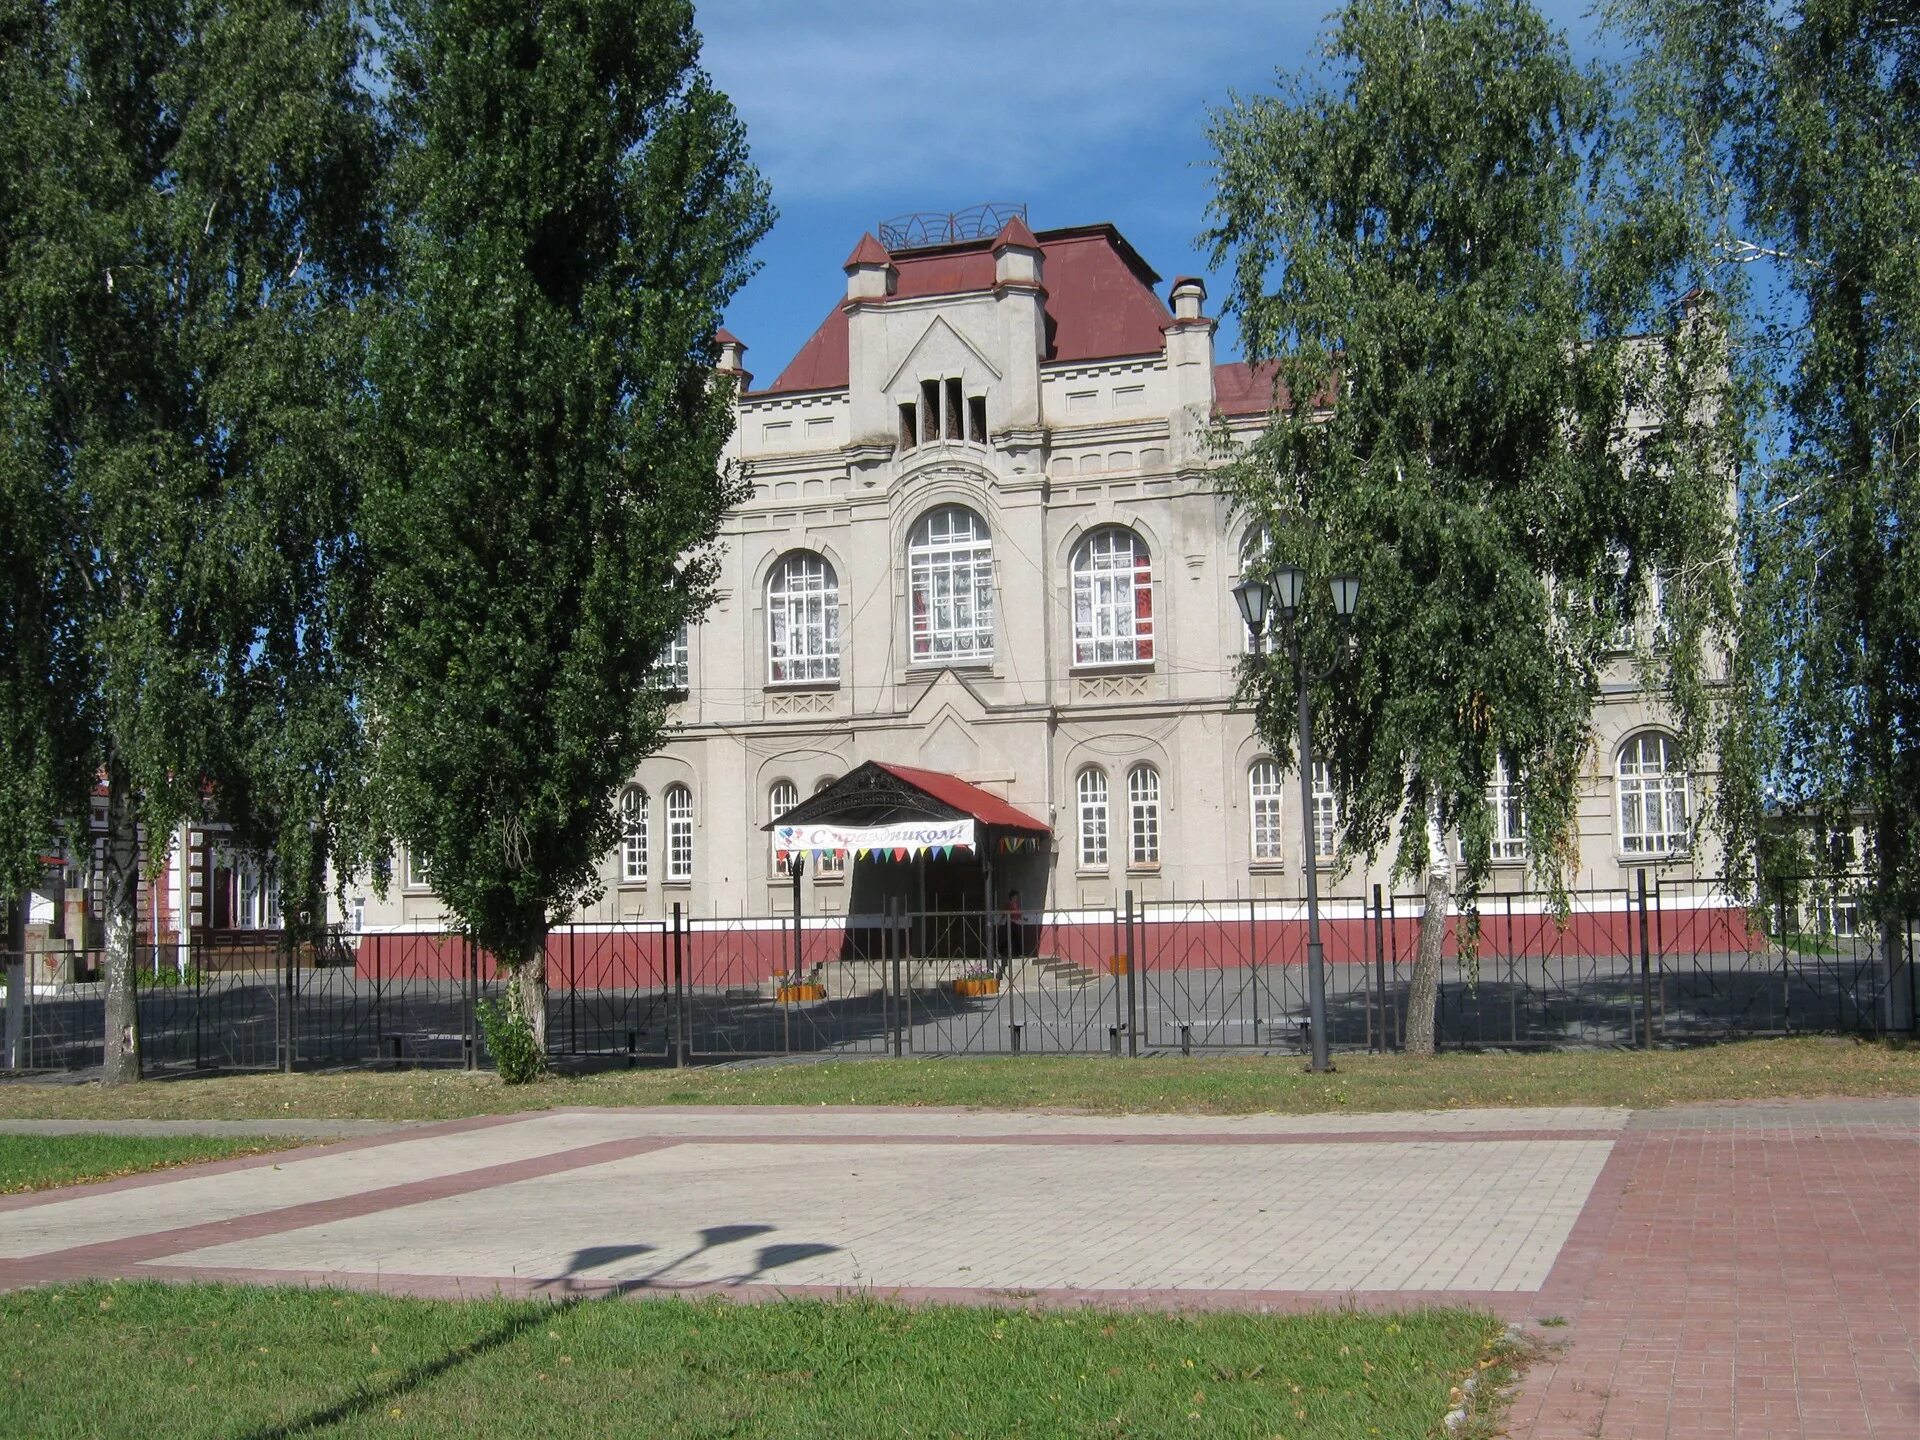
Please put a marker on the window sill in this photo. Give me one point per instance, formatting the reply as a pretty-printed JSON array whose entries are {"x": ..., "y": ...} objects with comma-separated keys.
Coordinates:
[
  {"x": 1143, "y": 867},
  {"x": 1083, "y": 873},
  {"x": 686, "y": 884},
  {"x": 830, "y": 877},
  {"x": 1268, "y": 867},
  {"x": 1110, "y": 667},
  {"x": 630, "y": 885},
  {"x": 806, "y": 687}
]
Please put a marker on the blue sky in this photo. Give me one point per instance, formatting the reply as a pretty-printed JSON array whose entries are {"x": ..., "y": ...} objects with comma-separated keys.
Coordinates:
[{"x": 1084, "y": 110}]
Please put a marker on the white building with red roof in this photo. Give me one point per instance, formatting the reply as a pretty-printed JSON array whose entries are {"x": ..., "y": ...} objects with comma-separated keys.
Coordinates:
[{"x": 986, "y": 539}]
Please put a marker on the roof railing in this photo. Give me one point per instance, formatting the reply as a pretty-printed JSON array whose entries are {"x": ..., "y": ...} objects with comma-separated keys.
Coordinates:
[{"x": 943, "y": 227}]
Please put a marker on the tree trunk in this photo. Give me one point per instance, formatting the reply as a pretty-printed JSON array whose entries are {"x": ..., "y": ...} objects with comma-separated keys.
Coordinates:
[
  {"x": 120, "y": 1058},
  {"x": 530, "y": 989},
  {"x": 1424, "y": 990}
]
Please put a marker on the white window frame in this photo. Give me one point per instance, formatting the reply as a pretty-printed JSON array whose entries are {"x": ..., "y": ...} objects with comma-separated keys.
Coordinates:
[
  {"x": 782, "y": 796},
  {"x": 1326, "y": 813},
  {"x": 678, "y": 802},
  {"x": 1090, "y": 793},
  {"x": 1143, "y": 817},
  {"x": 412, "y": 877},
  {"x": 1508, "y": 845},
  {"x": 672, "y": 671},
  {"x": 803, "y": 620},
  {"x": 1266, "y": 789},
  {"x": 950, "y": 588},
  {"x": 1655, "y": 804},
  {"x": 1112, "y": 571},
  {"x": 633, "y": 835}
]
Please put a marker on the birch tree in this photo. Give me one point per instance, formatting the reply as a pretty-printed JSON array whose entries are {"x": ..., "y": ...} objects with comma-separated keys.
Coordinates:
[{"x": 1459, "y": 353}]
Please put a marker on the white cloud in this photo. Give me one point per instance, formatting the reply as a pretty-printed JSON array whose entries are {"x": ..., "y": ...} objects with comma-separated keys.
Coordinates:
[{"x": 968, "y": 101}]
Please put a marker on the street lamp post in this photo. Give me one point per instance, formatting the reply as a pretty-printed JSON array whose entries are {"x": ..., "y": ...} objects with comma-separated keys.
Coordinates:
[{"x": 1255, "y": 600}]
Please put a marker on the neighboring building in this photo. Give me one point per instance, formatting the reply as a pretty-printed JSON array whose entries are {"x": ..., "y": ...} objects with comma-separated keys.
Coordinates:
[{"x": 986, "y": 539}]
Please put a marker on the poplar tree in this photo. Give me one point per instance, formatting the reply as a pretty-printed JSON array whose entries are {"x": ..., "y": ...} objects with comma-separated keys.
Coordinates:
[
  {"x": 183, "y": 217},
  {"x": 572, "y": 204},
  {"x": 1459, "y": 355},
  {"x": 1775, "y": 148}
]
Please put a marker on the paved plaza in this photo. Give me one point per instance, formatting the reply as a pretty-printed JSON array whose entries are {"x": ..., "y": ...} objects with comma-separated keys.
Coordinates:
[{"x": 1746, "y": 1270}]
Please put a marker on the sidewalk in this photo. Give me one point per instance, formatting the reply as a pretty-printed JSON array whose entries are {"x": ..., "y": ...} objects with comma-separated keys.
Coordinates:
[{"x": 1723, "y": 1270}]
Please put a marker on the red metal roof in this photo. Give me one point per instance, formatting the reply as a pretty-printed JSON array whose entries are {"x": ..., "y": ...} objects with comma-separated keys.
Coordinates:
[
  {"x": 1100, "y": 300},
  {"x": 1243, "y": 389},
  {"x": 987, "y": 808}
]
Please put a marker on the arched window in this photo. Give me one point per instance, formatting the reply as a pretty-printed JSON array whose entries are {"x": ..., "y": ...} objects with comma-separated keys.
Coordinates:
[
  {"x": 1092, "y": 791},
  {"x": 671, "y": 671},
  {"x": 803, "y": 620},
  {"x": 1653, "y": 795},
  {"x": 679, "y": 800},
  {"x": 830, "y": 862},
  {"x": 1326, "y": 812},
  {"x": 950, "y": 580},
  {"x": 1112, "y": 599},
  {"x": 1263, "y": 809},
  {"x": 1509, "y": 820},
  {"x": 1143, "y": 816},
  {"x": 633, "y": 836},
  {"x": 781, "y": 798},
  {"x": 1256, "y": 551}
]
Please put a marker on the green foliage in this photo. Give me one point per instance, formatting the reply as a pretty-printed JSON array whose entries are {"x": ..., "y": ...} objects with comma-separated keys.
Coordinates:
[
  {"x": 517, "y": 1054},
  {"x": 572, "y": 205},
  {"x": 1780, "y": 140},
  {"x": 184, "y": 214},
  {"x": 1409, "y": 241}
]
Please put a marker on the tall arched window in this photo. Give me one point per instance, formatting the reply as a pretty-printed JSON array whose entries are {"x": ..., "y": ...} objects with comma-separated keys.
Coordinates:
[
  {"x": 1263, "y": 810},
  {"x": 803, "y": 620},
  {"x": 781, "y": 798},
  {"x": 671, "y": 671},
  {"x": 1256, "y": 550},
  {"x": 1112, "y": 599},
  {"x": 1092, "y": 792},
  {"x": 679, "y": 801},
  {"x": 950, "y": 581},
  {"x": 633, "y": 836},
  {"x": 1653, "y": 795},
  {"x": 1326, "y": 812},
  {"x": 1143, "y": 816},
  {"x": 1509, "y": 820}
]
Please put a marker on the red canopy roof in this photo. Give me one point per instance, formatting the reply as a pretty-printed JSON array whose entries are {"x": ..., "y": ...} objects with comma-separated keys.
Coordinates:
[{"x": 987, "y": 808}]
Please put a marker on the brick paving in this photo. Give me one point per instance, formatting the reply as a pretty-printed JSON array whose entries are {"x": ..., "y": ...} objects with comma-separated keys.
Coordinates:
[{"x": 1737, "y": 1270}]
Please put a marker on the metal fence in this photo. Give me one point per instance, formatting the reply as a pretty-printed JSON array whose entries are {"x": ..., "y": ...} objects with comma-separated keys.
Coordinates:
[{"x": 1658, "y": 963}]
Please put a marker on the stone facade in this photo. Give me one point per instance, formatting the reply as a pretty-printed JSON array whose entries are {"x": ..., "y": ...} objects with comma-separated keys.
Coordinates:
[{"x": 986, "y": 538}]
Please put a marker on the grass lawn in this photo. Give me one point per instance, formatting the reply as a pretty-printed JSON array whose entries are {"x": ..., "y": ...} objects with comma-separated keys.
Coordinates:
[
  {"x": 1747, "y": 1070},
  {"x": 148, "y": 1359},
  {"x": 40, "y": 1162}
]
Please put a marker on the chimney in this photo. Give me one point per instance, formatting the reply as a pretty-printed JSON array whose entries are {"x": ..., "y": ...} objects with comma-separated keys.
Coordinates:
[
  {"x": 1189, "y": 294},
  {"x": 1016, "y": 255},
  {"x": 733, "y": 351},
  {"x": 870, "y": 272}
]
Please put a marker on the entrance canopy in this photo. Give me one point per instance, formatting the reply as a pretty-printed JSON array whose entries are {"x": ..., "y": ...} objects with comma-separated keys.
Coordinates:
[{"x": 895, "y": 812}]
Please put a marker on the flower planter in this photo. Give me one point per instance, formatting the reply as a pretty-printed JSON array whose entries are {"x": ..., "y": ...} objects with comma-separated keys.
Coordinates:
[
  {"x": 795, "y": 994},
  {"x": 973, "y": 986}
]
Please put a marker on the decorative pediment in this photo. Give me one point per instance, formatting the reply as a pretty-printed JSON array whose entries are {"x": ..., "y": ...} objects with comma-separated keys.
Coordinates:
[{"x": 941, "y": 350}]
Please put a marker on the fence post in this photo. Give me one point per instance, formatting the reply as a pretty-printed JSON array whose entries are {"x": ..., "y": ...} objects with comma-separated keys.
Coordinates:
[
  {"x": 287, "y": 993},
  {"x": 1786, "y": 954},
  {"x": 472, "y": 979},
  {"x": 14, "y": 1057},
  {"x": 1133, "y": 1038},
  {"x": 1646, "y": 964},
  {"x": 1380, "y": 965},
  {"x": 679, "y": 993},
  {"x": 1253, "y": 962},
  {"x": 895, "y": 949}
]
